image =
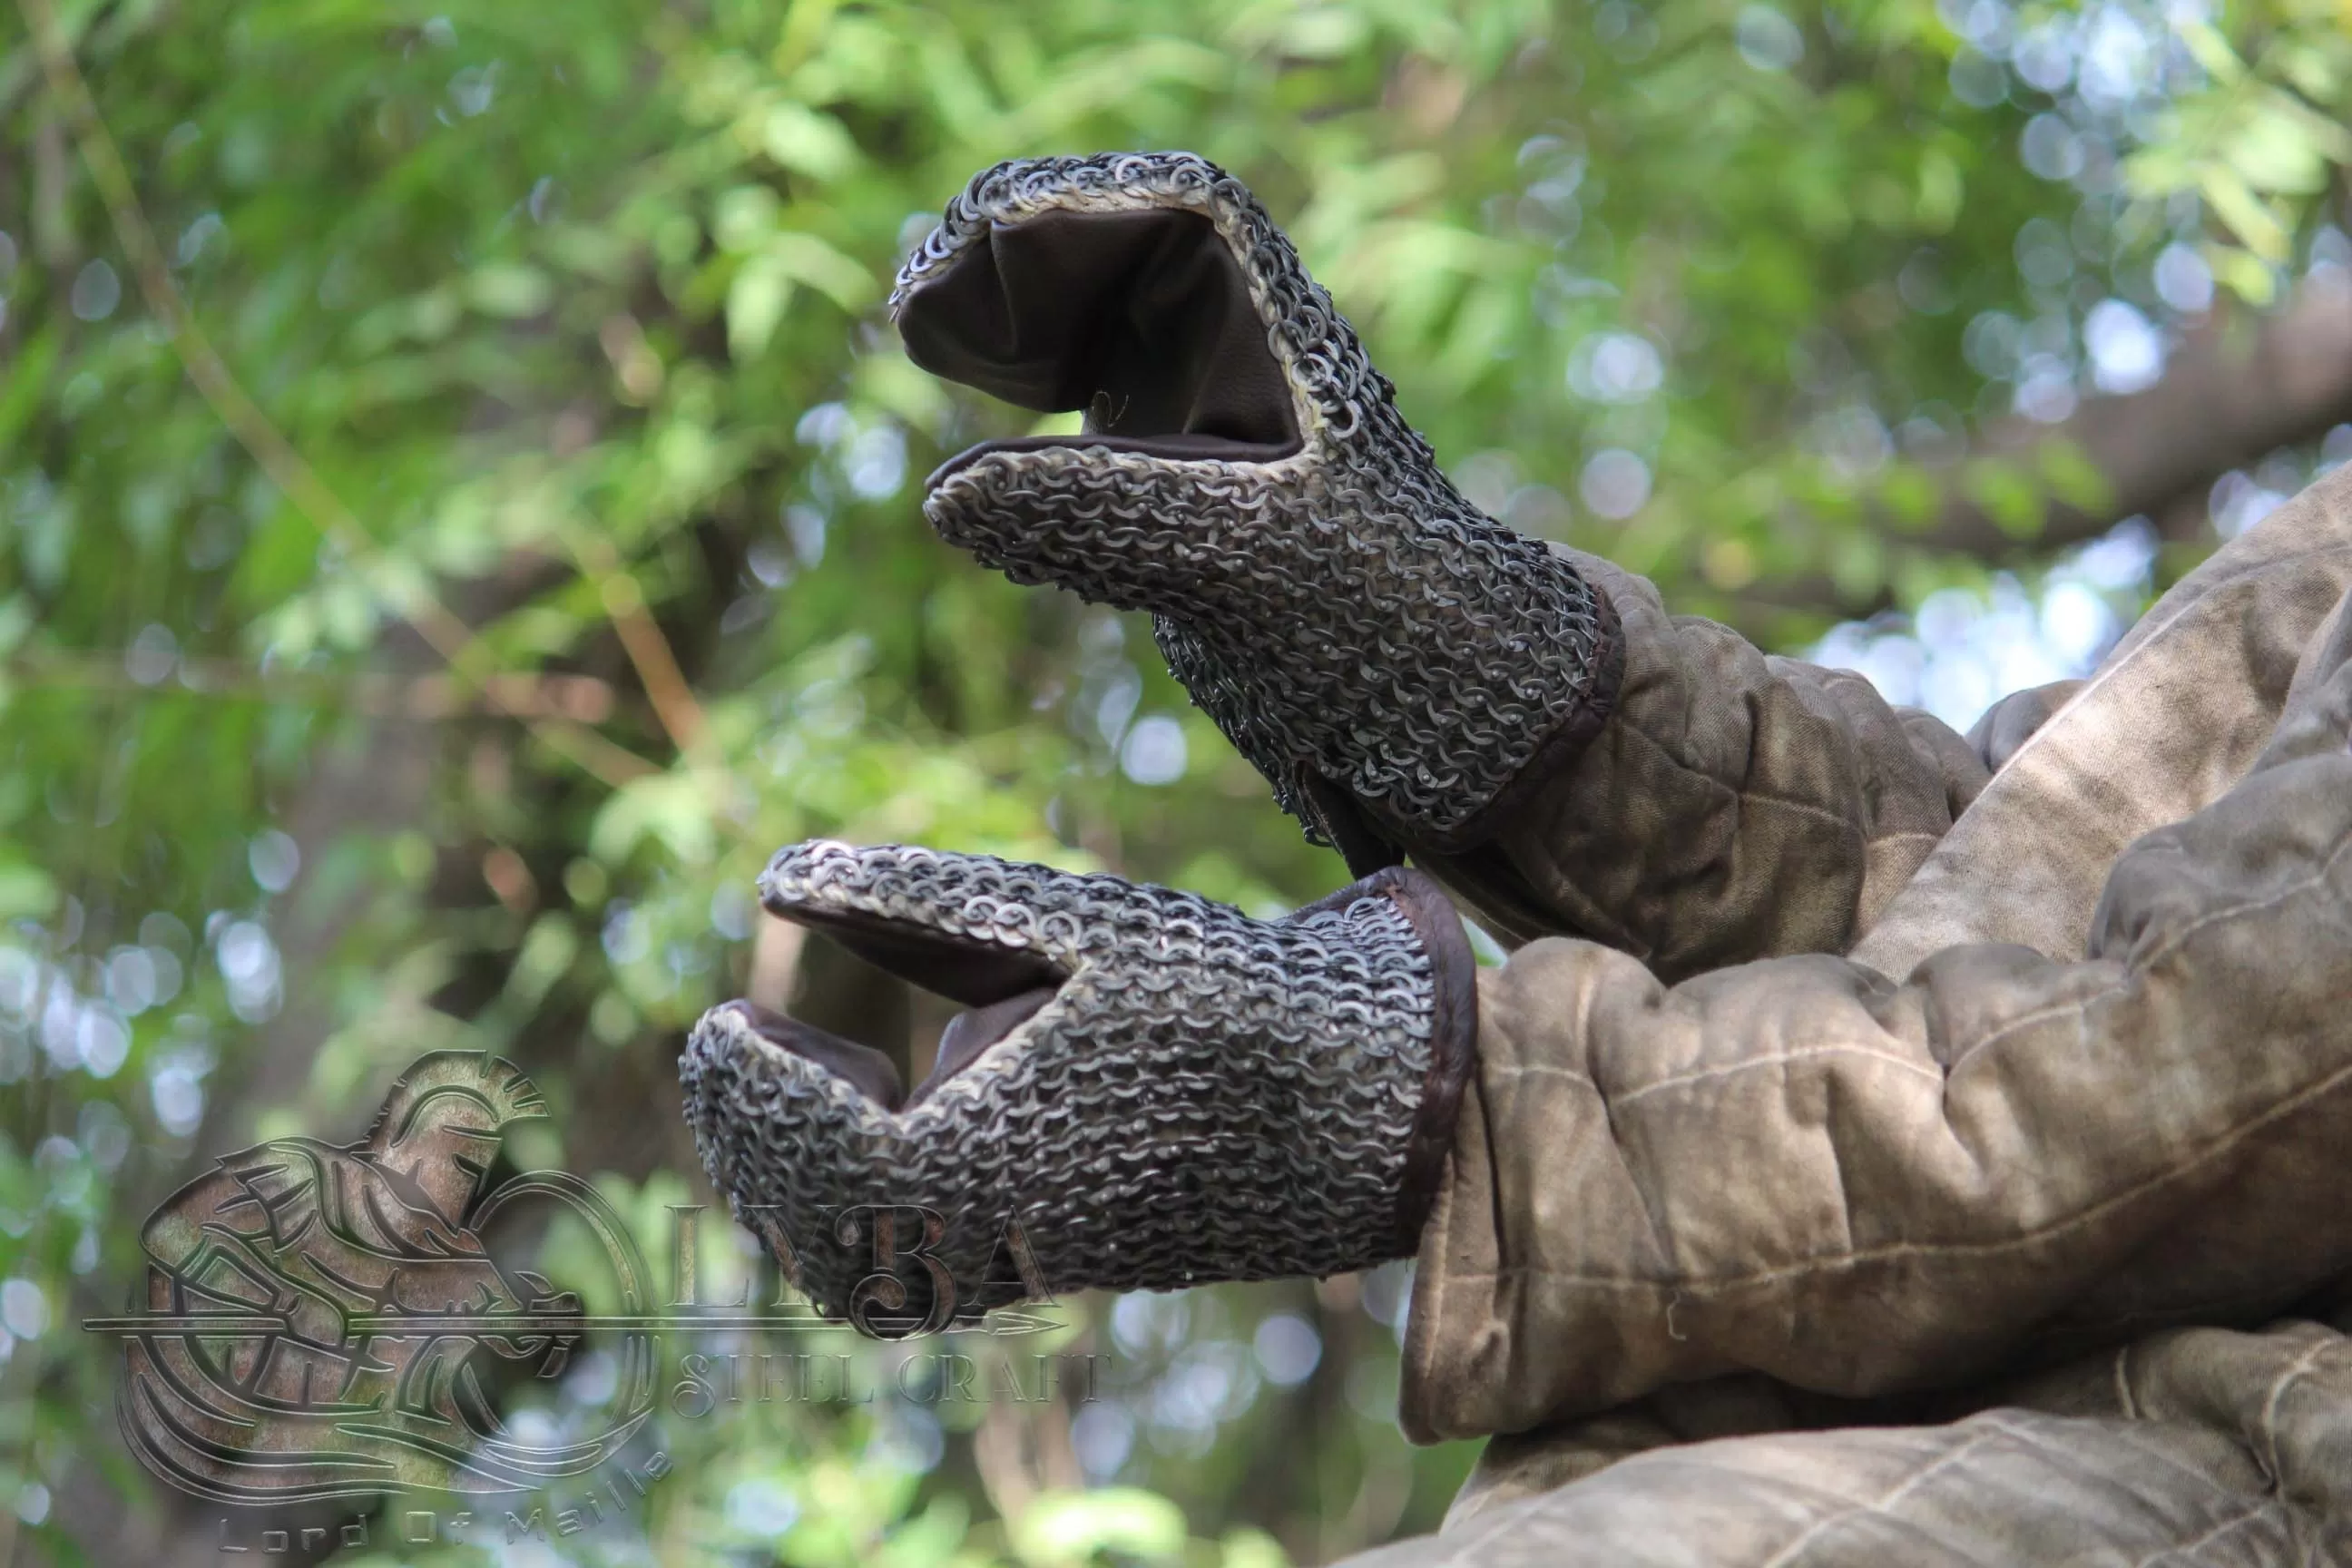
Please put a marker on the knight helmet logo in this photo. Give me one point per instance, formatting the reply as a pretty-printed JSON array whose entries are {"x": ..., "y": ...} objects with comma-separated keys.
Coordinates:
[{"x": 323, "y": 1320}]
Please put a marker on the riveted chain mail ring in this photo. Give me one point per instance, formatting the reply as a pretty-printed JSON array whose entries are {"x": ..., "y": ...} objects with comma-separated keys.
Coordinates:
[
  {"x": 1341, "y": 611},
  {"x": 1205, "y": 1097}
]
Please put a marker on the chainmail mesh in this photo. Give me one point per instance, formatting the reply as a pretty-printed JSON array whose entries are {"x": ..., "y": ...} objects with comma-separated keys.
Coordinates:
[
  {"x": 1342, "y": 607},
  {"x": 1207, "y": 1097}
]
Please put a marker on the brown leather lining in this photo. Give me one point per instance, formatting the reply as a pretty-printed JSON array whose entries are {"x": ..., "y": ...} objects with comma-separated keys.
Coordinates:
[
  {"x": 868, "y": 1070},
  {"x": 961, "y": 968},
  {"x": 1347, "y": 824},
  {"x": 1142, "y": 318},
  {"x": 968, "y": 1036}
]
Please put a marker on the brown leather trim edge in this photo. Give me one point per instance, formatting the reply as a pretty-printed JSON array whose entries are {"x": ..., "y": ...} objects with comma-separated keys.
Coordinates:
[
  {"x": 1453, "y": 1040},
  {"x": 1558, "y": 750}
]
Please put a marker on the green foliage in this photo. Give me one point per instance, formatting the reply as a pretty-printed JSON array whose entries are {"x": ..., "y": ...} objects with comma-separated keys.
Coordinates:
[
  {"x": 577, "y": 313},
  {"x": 2262, "y": 138}
]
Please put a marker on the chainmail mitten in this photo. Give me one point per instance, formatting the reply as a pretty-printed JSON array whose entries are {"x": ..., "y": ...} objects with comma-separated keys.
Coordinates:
[
  {"x": 1366, "y": 637},
  {"x": 1158, "y": 1090}
]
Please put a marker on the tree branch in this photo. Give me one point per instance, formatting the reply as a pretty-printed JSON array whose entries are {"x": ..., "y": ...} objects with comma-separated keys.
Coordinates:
[
  {"x": 2235, "y": 391},
  {"x": 2239, "y": 388}
]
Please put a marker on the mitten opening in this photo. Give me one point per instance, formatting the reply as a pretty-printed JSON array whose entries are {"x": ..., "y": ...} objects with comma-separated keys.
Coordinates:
[{"x": 1143, "y": 320}]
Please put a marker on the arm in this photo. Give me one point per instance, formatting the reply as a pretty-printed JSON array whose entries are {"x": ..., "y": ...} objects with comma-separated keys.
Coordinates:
[
  {"x": 1734, "y": 806},
  {"x": 1802, "y": 1168},
  {"x": 1409, "y": 676}
]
